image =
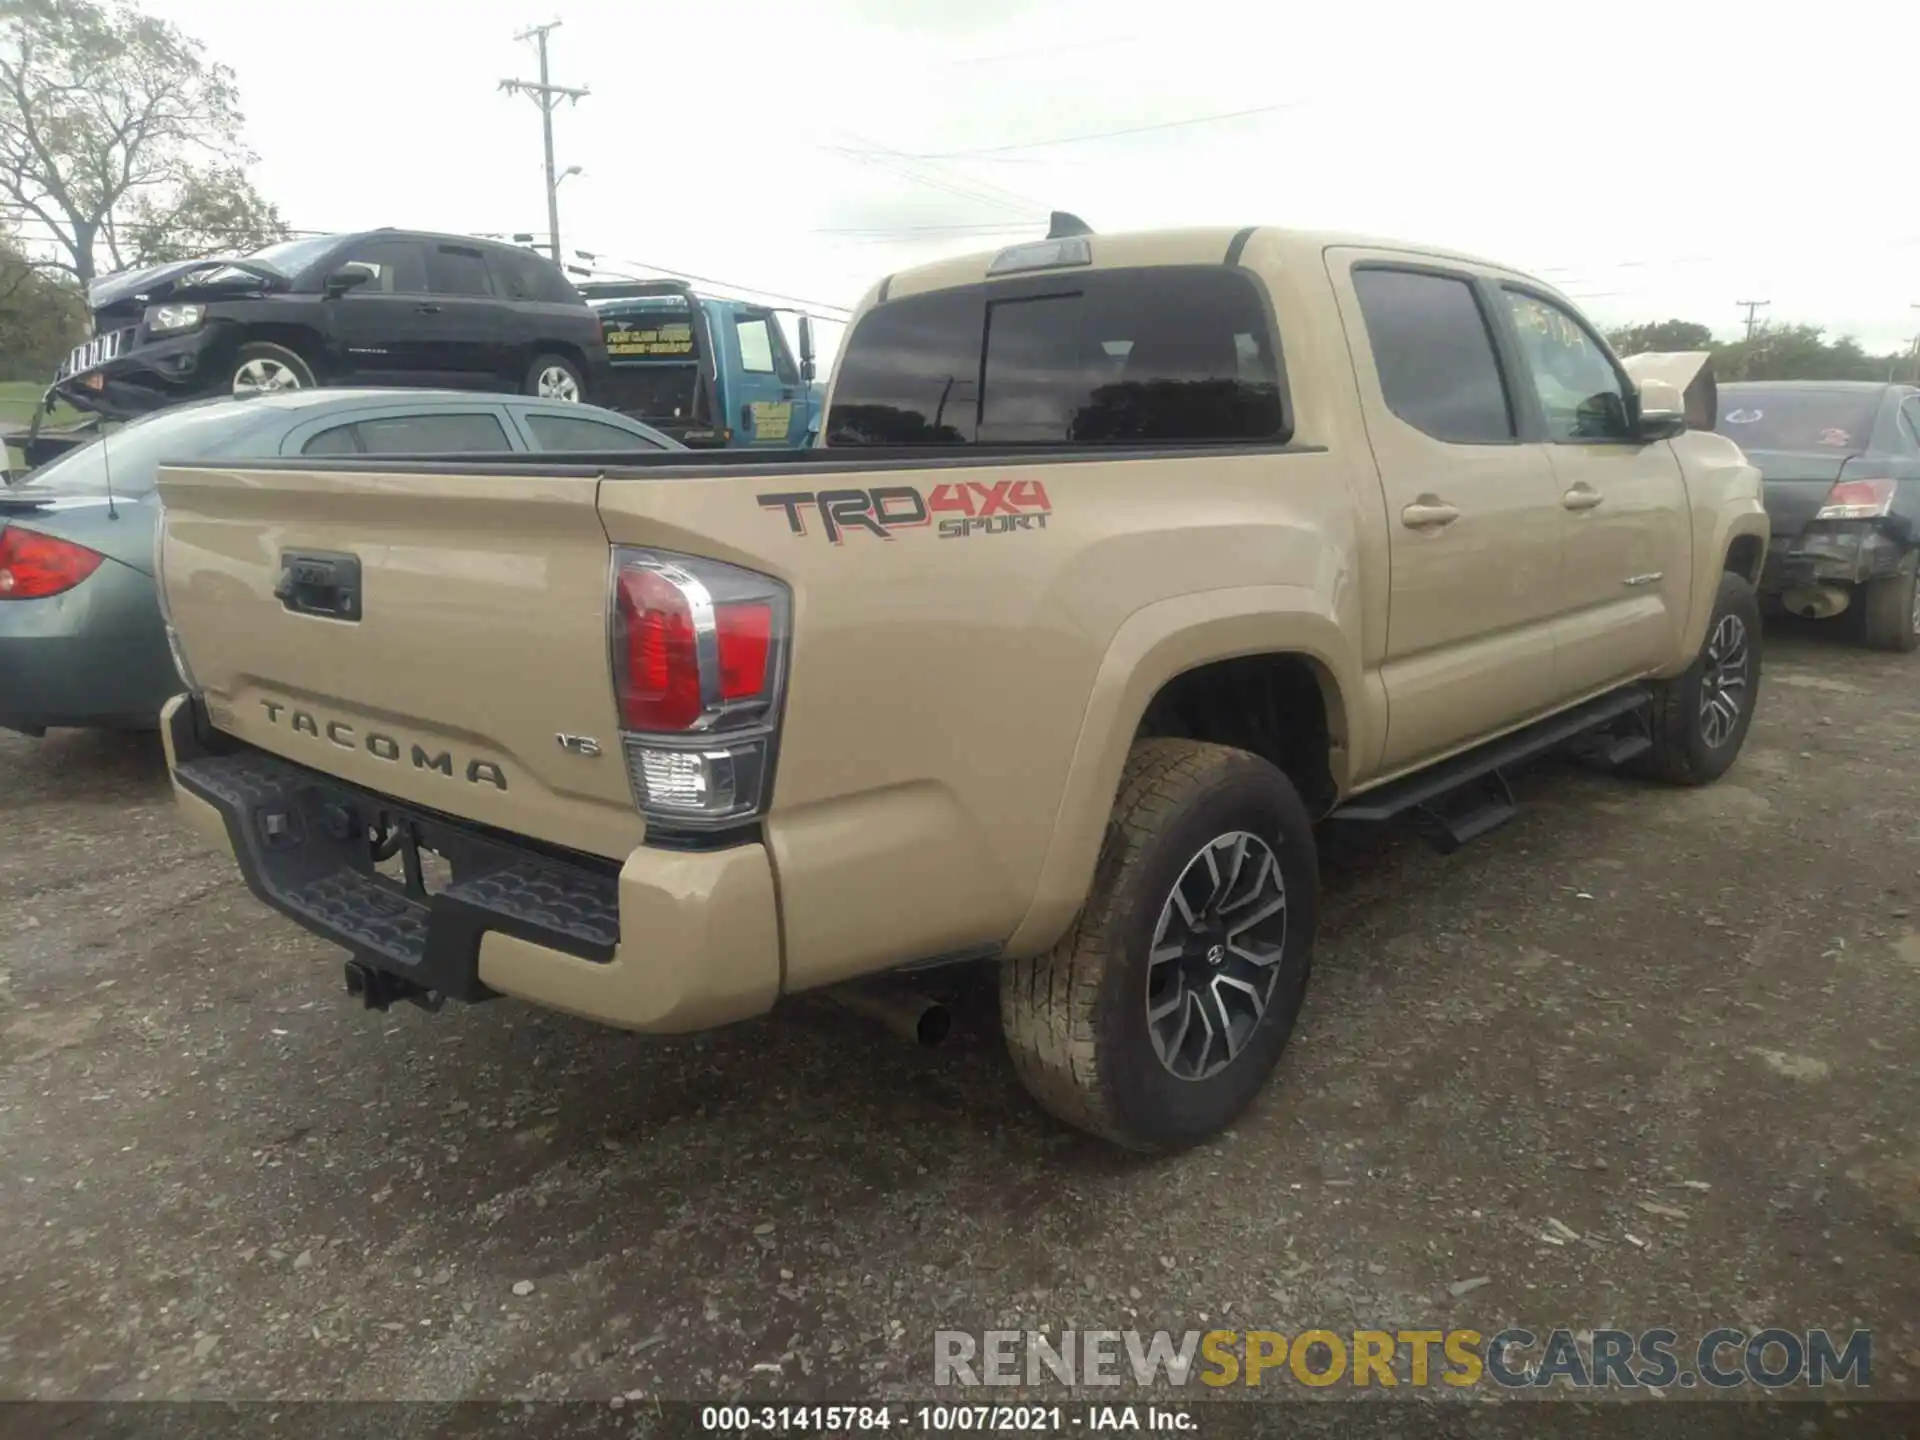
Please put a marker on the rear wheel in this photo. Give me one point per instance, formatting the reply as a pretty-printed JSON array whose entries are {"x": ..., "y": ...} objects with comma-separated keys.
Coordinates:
[
  {"x": 1701, "y": 717},
  {"x": 554, "y": 377},
  {"x": 1890, "y": 609},
  {"x": 261, "y": 368},
  {"x": 1158, "y": 1017}
]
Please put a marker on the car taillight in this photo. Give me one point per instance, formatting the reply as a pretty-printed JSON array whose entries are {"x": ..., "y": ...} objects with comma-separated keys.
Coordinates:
[
  {"x": 1858, "y": 500},
  {"x": 699, "y": 662},
  {"x": 34, "y": 566}
]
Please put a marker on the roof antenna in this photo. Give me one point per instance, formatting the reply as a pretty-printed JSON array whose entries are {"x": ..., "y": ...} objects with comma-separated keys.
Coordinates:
[
  {"x": 106, "y": 471},
  {"x": 1063, "y": 224}
]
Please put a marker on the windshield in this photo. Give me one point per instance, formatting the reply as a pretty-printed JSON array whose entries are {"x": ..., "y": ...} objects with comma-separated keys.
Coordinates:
[
  {"x": 290, "y": 257},
  {"x": 1813, "y": 418},
  {"x": 133, "y": 453}
]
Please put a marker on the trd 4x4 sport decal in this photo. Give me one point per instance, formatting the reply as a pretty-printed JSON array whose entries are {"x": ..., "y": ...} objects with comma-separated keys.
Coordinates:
[{"x": 956, "y": 508}]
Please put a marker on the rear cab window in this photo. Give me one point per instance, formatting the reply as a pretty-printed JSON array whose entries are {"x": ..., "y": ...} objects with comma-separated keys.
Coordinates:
[
  {"x": 1180, "y": 354},
  {"x": 1434, "y": 352},
  {"x": 1804, "y": 418}
]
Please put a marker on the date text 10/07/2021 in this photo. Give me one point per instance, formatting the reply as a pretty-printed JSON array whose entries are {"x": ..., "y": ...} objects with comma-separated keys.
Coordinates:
[{"x": 948, "y": 1419}]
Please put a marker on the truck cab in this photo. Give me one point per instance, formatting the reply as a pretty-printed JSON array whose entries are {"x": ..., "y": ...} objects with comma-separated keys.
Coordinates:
[{"x": 714, "y": 373}]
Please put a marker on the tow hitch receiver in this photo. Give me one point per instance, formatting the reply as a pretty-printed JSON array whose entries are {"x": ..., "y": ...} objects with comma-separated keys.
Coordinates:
[{"x": 378, "y": 989}]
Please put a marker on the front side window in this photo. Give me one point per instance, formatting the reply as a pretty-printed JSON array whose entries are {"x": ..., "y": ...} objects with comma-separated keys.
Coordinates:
[
  {"x": 1177, "y": 354},
  {"x": 1434, "y": 355},
  {"x": 756, "y": 345},
  {"x": 1582, "y": 394},
  {"x": 456, "y": 270},
  {"x": 394, "y": 267}
]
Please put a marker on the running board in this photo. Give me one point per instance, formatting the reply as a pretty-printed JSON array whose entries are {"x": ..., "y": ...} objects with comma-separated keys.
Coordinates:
[{"x": 1466, "y": 796}]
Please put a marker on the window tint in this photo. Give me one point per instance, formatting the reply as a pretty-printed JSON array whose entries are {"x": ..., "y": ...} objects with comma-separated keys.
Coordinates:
[
  {"x": 425, "y": 434},
  {"x": 337, "y": 441},
  {"x": 1792, "y": 417},
  {"x": 456, "y": 270},
  {"x": 756, "y": 345},
  {"x": 1582, "y": 394},
  {"x": 396, "y": 266},
  {"x": 523, "y": 275},
  {"x": 571, "y": 432},
  {"x": 1434, "y": 355},
  {"x": 1116, "y": 357}
]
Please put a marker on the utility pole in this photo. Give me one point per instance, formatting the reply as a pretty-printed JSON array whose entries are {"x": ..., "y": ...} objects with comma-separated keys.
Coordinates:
[
  {"x": 1751, "y": 306},
  {"x": 546, "y": 95}
]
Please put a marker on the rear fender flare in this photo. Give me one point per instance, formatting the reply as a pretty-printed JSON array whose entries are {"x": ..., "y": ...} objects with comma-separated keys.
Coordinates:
[{"x": 1155, "y": 644}]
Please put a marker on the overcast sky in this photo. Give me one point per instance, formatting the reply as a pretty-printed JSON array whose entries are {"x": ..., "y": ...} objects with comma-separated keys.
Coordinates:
[{"x": 1653, "y": 160}]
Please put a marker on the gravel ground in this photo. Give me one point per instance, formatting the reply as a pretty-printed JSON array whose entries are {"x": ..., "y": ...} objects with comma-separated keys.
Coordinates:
[{"x": 1677, "y": 1025}]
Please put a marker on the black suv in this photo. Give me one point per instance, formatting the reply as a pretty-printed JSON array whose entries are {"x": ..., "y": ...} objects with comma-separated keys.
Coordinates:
[{"x": 384, "y": 307}]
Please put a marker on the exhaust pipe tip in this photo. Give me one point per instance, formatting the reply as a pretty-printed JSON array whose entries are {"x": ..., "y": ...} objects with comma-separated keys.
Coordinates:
[{"x": 914, "y": 1017}]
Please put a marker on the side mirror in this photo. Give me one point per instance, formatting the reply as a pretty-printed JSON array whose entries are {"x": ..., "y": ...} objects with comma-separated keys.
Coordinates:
[
  {"x": 343, "y": 280},
  {"x": 807, "y": 363},
  {"x": 1662, "y": 411}
]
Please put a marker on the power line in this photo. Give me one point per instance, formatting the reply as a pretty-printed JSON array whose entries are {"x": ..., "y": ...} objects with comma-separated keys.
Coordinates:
[
  {"x": 1751, "y": 307},
  {"x": 592, "y": 258},
  {"x": 1102, "y": 134},
  {"x": 546, "y": 95}
]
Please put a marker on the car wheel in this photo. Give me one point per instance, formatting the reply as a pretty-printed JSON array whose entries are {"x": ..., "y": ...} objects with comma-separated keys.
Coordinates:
[
  {"x": 1160, "y": 1014},
  {"x": 1700, "y": 717},
  {"x": 261, "y": 367},
  {"x": 1890, "y": 612},
  {"x": 554, "y": 377}
]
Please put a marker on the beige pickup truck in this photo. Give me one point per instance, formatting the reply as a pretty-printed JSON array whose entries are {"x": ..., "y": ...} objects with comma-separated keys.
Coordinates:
[{"x": 1127, "y": 561}]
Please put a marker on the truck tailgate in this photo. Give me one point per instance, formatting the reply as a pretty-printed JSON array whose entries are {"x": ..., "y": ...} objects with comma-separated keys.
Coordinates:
[{"x": 475, "y": 636}]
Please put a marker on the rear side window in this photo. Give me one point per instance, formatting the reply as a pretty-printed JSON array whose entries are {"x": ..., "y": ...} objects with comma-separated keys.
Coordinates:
[
  {"x": 336, "y": 441},
  {"x": 523, "y": 275},
  {"x": 1434, "y": 355},
  {"x": 568, "y": 432},
  {"x": 423, "y": 434},
  {"x": 1168, "y": 355},
  {"x": 456, "y": 270}
]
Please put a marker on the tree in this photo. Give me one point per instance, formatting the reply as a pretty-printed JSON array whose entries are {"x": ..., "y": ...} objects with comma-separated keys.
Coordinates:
[
  {"x": 41, "y": 316},
  {"x": 1663, "y": 335},
  {"x": 117, "y": 132}
]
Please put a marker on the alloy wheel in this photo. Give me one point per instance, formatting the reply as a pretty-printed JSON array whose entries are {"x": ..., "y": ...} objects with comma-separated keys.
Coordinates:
[
  {"x": 557, "y": 383},
  {"x": 1723, "y": 686},
  {"x": 1216, "y": 955},
  {"x": 262, "y": 376}
]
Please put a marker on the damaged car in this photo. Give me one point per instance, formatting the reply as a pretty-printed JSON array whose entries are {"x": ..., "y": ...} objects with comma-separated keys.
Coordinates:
[
  {"x": 1841, "y": 461},
  {"x": 378, "y": 308}
]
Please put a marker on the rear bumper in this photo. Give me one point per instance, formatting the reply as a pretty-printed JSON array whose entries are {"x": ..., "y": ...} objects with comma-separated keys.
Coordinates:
[
  {"x": 668, "y": 942},
  {"x": 1843, "y": 552}
]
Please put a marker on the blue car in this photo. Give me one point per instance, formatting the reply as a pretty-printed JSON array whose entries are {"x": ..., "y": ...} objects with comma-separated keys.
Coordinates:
[{"x": 81, "y": 640}]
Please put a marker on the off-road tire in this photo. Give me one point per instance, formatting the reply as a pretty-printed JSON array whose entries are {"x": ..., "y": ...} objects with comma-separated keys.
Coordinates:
[
  {"x": 264, "y": 357},
  {"x": 1075, "y": 1018},
  {"x": 1681, "y": 754},
  {"x": 544, "y": 366},
  {"x": 1887, "y": 619}
]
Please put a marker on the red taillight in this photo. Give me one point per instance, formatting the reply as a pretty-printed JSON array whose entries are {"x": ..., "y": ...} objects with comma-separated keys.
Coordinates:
[
  {"x": 699, "y": 662},
  {"x": 746, "y": 636},
  {"x": 660, "y": 686},
  {"x": 1858, "y": 500},
  {"x": 34, "y": 566}
]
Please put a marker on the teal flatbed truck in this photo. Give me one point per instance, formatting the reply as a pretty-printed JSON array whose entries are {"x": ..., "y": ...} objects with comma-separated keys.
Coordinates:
[{"x": 714, "y": 373}]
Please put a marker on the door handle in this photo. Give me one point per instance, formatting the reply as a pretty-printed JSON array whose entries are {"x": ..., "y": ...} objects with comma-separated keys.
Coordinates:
[
  {"x": 427, "y": 309},
  {"x": 1581, "y": 497},
  {"x": 1428, "y": 513},
  {"x": 746, "y": 416}
]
